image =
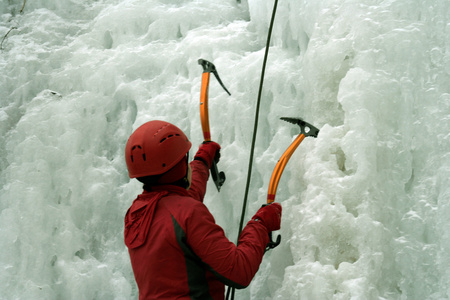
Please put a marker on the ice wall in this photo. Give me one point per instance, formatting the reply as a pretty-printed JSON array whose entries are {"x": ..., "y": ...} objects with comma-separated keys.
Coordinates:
[
  {"x": 365, "y": 204},
  {"x": 370, "y": 221}
]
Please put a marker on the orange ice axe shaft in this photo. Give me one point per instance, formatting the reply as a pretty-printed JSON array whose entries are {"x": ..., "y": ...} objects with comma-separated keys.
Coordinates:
[
  {"x": 306, "y": 129},
  {"x": 208, "y": 68}
]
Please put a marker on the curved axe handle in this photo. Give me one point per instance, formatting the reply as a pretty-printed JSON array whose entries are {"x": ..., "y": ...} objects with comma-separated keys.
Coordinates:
[
  {"x": 208, "y": 68},
  {"x": 204, "y": 115},
  {"x": 306, "y": 130},
  {"x": 279, "y": 168}
]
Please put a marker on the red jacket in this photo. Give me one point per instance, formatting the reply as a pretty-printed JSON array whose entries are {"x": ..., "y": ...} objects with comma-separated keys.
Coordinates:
[{"x": 177, "y": 250}]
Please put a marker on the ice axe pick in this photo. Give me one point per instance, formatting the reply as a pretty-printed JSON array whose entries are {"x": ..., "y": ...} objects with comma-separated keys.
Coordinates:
[
  {"x": 208, "y": 68},
  {"x": 306, "y": 129}
]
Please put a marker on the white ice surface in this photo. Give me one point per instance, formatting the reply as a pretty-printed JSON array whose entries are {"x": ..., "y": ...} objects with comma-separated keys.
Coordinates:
[{"x": 366, "y": 204}]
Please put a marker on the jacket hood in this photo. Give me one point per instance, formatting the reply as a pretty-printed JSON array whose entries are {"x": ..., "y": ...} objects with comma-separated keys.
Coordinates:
[{"x": 139, "y": 218}]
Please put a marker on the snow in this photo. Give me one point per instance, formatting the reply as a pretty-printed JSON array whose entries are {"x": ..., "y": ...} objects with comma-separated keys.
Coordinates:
[{"x": 365, "y": 204}]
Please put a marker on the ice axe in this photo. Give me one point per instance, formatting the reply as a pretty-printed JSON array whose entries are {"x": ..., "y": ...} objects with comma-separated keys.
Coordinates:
[
  {"x": 306, "y": 129},
  {"x": 208, "y": 68}
]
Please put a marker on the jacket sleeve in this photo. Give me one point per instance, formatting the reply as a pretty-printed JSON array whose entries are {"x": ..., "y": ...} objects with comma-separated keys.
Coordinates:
[
  {"x": 233, "y": 265},
  {"x": 200, "y": 175}
]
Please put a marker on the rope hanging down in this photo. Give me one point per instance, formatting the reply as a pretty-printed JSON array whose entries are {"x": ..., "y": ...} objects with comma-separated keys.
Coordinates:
[{"x": 255, "y": 129}]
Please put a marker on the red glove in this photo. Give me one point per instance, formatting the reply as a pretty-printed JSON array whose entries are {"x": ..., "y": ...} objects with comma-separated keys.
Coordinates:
[
  {"x": 207, "y": 152},
  {"x": 270, "y": 216}
]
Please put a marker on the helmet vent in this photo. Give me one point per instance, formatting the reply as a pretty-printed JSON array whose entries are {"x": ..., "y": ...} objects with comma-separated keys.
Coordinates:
[
  {"x": 168, "y": 137},
  {"x": 132, "y": 149}
]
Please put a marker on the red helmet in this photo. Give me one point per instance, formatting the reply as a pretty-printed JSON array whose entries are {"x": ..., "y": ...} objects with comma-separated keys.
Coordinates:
[{"x": 154, "y": 148}]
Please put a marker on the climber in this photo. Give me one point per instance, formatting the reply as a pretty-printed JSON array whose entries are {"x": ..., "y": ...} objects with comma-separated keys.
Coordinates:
[{"x": 177, "y": 251}]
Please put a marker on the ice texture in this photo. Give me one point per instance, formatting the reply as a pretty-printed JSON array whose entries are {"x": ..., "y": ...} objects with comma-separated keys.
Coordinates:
[{"x": 366, "y": 204}]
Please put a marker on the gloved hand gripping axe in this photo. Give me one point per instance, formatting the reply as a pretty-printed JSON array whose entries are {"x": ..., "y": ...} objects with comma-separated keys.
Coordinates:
[
  {"x": 306, "y": 129},
  {"x": 208, "y": 68}
]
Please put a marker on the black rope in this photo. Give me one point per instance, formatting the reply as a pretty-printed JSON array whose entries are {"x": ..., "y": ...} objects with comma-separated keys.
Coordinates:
[{"x": 255, "y": 129}]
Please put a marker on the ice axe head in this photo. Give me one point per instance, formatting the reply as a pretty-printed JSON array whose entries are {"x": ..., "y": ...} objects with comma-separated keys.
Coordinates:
[
  {"x": 208, "y": 67},
  {"x": 305, "y": 128}
]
